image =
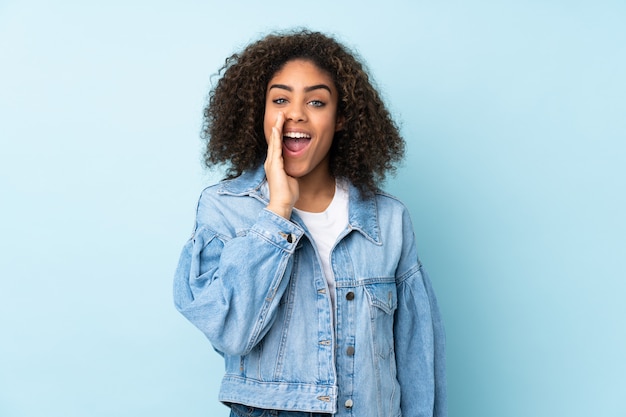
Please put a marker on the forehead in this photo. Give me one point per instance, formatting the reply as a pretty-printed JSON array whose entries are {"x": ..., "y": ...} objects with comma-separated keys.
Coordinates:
[{"x": 302, "y": 72}]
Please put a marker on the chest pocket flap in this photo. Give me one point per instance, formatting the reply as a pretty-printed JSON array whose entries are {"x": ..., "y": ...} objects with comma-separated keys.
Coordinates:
[{"x": 384, "y": 296}]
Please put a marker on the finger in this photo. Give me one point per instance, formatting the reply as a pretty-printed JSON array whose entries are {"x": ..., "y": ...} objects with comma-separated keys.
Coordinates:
[
  {"x": 280, "y": 121},
  {"x": 277, "y": 131},
  {"x": 275, "y": 146},
  {"x": 276, "y": 139}
]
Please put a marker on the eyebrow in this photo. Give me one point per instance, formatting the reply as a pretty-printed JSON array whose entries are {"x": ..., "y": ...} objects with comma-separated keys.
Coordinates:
[{"x": 306, "y": 89}]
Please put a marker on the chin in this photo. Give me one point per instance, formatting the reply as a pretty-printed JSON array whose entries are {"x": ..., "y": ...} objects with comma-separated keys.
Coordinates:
[{"x": 296, "y": 172}]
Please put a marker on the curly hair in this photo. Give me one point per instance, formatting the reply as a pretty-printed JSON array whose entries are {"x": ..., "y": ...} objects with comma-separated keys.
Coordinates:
[{"x": 363, "y": 152}]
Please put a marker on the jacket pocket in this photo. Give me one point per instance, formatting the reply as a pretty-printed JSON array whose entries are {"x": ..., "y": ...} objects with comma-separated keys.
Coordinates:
[{"x": 383, "y": 301}]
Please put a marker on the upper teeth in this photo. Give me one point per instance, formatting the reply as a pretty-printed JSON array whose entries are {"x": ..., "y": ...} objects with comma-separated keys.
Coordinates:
[{"x": 296, "y": 135}]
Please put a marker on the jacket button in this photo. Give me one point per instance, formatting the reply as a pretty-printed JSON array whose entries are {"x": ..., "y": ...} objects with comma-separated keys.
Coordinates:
[
  {"x": 350, "y": 351},
  {"x": 350, "y": 296},
  {"x": 348, "y": 404},
  {"x": 289, "y": 237}
]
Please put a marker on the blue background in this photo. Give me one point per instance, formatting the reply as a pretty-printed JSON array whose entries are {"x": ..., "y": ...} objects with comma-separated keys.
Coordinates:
[{"x": 514, "y": 114}]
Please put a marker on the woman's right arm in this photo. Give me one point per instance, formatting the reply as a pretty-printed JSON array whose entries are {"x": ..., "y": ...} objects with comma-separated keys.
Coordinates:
[{"x": 230, "y": 287}]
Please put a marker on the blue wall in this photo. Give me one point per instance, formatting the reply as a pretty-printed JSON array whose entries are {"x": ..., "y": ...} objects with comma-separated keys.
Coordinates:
[{"x": 514, "y": 113}]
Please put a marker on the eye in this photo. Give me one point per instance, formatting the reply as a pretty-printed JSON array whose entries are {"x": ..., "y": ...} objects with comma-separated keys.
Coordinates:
[
  {"x": 279, "y": 101},
  {"x": 317, "y": 103}
]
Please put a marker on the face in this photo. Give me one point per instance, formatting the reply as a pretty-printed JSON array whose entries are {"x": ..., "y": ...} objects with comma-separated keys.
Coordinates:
[{"x": 308, "y": 98}]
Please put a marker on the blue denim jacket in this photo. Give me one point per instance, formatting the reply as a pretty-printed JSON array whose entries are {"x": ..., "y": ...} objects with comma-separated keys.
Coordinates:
[{"x": 252, "y": 282}]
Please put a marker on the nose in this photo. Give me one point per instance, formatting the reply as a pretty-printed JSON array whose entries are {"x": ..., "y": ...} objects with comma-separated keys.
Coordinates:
[{"x": 295, "y": 113}]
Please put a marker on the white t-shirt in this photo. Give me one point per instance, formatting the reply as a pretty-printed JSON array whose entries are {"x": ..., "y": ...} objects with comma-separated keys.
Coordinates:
[{"x": 325, "y": 228}]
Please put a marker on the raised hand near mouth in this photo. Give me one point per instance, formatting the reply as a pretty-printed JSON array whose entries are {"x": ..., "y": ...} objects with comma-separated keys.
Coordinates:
[{"x": 284, "y": 190}]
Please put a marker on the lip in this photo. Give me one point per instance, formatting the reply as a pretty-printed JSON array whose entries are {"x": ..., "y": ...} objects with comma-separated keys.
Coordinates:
[{"x": 294, "y": 154}]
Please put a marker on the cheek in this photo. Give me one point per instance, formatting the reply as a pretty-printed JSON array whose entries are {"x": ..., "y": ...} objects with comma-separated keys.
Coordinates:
[
  {"x": 330, "y": 125},
  {"x": 267, "y": 125}
]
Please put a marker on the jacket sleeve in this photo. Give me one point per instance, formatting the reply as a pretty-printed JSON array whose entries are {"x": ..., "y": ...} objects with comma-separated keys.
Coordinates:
[
  {"x": 419, "y": 340},
  {"x": 230, "y": 287}
]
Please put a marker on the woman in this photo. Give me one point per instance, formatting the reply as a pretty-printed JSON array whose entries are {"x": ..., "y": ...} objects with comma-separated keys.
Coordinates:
[{"x": 301, "y": 272}]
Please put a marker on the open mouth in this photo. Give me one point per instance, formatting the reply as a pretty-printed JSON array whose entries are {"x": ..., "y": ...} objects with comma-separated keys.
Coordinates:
[{"x": 296, "y": 141}]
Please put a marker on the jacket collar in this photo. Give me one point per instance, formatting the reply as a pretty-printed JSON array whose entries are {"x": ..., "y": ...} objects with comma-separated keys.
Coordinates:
[
  {"x": 249, "y": 183},
  {"x": 362, "y": 210}
]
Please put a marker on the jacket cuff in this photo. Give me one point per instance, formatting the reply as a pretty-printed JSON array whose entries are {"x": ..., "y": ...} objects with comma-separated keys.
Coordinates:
[{"x": 278, "y": 230}]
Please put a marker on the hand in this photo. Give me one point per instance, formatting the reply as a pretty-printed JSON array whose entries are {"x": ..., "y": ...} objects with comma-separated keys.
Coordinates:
[{"x": 284, "y": 189}]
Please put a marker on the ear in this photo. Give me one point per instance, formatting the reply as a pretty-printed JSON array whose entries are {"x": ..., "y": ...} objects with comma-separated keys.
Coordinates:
[{"x": 339, "y": 123}]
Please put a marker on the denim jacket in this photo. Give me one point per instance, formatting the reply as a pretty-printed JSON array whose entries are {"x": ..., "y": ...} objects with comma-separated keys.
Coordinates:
[{"x": 252, "y": 282}]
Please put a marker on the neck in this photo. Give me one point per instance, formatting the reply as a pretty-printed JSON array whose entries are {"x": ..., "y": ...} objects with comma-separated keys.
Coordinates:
[{"x": 315, "y": 194}]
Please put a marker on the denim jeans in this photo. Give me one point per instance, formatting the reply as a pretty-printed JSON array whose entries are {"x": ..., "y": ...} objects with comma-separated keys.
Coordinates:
[{"x": 238, "y": 410}]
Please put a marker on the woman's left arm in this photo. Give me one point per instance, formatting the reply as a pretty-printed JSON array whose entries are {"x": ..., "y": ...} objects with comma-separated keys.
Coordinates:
[{"x": 419, "y": 337}]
